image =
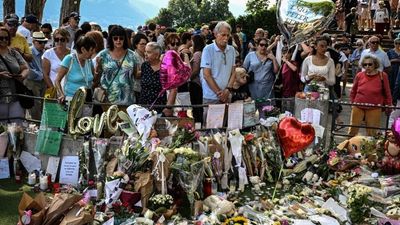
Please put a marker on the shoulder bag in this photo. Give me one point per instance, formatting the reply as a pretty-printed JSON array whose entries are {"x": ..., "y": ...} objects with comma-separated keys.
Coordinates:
[
  {"x": 99, "y": 93},
  {"x": 20, "y": 88}
]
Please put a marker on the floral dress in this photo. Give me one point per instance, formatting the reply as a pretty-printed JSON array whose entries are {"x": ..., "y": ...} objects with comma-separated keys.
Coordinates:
[{"x": 119, "y": 87}]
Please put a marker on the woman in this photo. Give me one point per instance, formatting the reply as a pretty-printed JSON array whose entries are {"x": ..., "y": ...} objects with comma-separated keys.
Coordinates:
[
  {"x": 290, "y": 75},
  {"x": 355, "y": 56},
  {"x": 318, "y": 67},
  {"x": 51, "y": 59},
  {"x": 187, "y": 43},
  {"x": 10, "y": 106},
  {"x": 264, "y": 66},
  {"x": 77, "y": 68},
  {"x": 195, "y": 90},
  {"x": 117, "y": 66},
  {"x": 139, "y": 46},
  {"x": 151, "y": 80},
  {"x": 394, "y": 57},
  {"x": 370, "y": 87}
]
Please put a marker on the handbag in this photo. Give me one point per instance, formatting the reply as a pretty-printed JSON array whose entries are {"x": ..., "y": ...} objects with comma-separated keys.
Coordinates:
[
  {"x": 99, "y": 93},
  {"x": 50, "y": 93},
  {"x": 20, "y": 88}
]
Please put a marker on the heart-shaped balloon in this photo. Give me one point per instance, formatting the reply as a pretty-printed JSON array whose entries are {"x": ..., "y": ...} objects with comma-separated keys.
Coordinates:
[
  {"x": 396, "y": 130},
  {"x": 298, "y": 20},
  {"x": 173, "y": 71},
  {"x": 294, "y": 136}
]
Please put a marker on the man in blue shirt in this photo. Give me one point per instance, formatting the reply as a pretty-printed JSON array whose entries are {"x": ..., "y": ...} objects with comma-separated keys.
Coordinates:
[{"x": 34, "y": 80}]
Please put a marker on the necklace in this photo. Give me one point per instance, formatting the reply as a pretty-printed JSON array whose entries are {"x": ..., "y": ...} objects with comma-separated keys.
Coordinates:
[{"x": 83, "y": 71}]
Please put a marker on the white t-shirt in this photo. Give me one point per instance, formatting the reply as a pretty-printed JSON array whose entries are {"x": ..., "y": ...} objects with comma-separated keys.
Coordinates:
[
  {"x": 26, "y": 33},
  {"x": 55, "y": 63},
  {"x": 343, "y": 59}
]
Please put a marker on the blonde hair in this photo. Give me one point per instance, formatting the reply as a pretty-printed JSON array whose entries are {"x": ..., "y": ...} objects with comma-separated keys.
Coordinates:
[{"x": 239, "y": 71}]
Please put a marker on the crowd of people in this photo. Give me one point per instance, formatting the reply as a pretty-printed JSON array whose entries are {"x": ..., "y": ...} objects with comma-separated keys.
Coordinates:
[{"x": 122, "y": 66}]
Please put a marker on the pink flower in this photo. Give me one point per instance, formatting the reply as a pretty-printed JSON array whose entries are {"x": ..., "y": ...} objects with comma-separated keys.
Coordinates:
[{"x": 267, "y": 108}]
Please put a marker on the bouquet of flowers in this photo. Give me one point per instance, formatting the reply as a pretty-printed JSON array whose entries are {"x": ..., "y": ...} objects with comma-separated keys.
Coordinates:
[
  {"x": 271, "y": 111},
  {"x": 122, "y": 211},
  {"x": 358, "y": 202},
  {"x": 184, "y": 135},
  {"x": 237, "y": 220},
  {"x": 160, "y": 203}
]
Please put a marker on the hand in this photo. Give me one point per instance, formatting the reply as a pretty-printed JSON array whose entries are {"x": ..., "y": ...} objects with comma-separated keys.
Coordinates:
[
  {"x": 19, "y": 77},
  {"x": 223, "y": 95},
  {"x": 270, "y": 56},
  {"x": 61, "y": 99},
  {"x": 5, "y": 74},
  {"x": 168, "y": 112}
]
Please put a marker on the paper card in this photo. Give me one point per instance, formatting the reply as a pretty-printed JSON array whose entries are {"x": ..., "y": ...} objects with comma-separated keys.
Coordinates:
[
  {"x": 52, "y": 167},
  {"x": 69, "y": 172},
  {"x": 311, "y": 115},
  {"x": 48, "y": 142},
  {"x": 92, "y": 193},
  {"x": 249, "y": 114},
  {"x": 4, "y": 168},
  {"x": 30, "y": 162},
  {"x": 235, "y": 116},
  {"x": 54, "y": 115},
  {"x": 319, "y": 130},
  {"x": 215, "y": 116}
]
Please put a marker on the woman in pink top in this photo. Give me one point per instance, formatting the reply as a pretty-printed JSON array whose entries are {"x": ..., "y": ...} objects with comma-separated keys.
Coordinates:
[{"x": 370, "y": 87}]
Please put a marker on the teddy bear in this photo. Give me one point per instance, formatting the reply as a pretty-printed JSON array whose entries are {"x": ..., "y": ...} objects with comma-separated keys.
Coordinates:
[
  {"x": 355, "y": 145},
  {"x": 391, "y": 161}
]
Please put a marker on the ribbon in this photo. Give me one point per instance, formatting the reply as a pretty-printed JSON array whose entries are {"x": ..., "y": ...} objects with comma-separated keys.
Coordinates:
[
  {"x": 242, "y": 178},
  {"x": 227, "y": 163},
  {"x": 160, "y": 160},
  {"x": 236, "y": 140}
]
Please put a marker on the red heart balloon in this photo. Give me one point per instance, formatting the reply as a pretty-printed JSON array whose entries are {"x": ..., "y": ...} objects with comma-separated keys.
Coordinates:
[{"x": 294, "y": 136}]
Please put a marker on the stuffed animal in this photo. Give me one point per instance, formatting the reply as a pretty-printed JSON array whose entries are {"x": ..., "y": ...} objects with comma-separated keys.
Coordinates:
[
  {"x": 311, "y": 176},
  {"x": 218, "y": 205},
  {"x": 391, "y": 161},
  {"x": 355, "y": 145},
  {"x": 291, "y": 162}
]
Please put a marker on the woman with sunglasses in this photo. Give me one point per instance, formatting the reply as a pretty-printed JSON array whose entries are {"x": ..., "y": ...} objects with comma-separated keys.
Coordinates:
[
  {"x": 77, "y": 69},
  {"x": 139, "y": 46},
  {"x": 117, "y": 67},
  {"x": 370, "y": 87},
  {"x": 52, "y": 57},
  {"x": 9, "y": 105},
  {"x": 394, "y": 57},
  {"x": 263, "y": 65}
]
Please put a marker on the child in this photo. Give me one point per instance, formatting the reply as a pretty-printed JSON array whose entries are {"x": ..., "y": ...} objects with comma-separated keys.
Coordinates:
[
  {"x": 290, "y": 75},
  {"x": 240, "y": 90}
]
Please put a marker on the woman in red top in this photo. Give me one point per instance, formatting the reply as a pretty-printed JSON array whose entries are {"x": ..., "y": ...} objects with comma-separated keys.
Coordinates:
[
  {"x": 290, "y": 75},
  {"x": 371, "y": 87}
]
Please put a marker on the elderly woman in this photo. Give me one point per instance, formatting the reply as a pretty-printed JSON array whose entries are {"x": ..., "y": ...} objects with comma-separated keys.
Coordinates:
[
  {"x": 77, "y": 68},
  {"x": 51, "y": 59},
  {"x": 262, "y": 63},
  {"x": 117, "y": 67},
  {"x": 151, "y": 80},
  {"x": 370, "y": 87},
  {"x": 139, "y": 45},
  {"x": 13, "y": 68},
  {"x": 355, "y": 56}
]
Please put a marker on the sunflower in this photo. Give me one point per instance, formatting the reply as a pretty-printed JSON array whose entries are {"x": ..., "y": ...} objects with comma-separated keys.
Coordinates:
[{"x": 237, "y": 220}]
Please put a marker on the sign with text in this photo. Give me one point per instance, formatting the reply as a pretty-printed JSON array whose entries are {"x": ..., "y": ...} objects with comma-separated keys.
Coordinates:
[
  {"x": 48, "y": 142},
  {"x": 69, "y": 172}
]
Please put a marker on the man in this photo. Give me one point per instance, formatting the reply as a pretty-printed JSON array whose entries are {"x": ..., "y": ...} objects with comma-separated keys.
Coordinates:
[
  {"x": 34, "y": 80},
  {"x": 205, "y": 31},
  {"x": 378, "y": 52},
  {"x": 72, "y": 27},
  {"x": 18, "y": 42},
  {"x": 155, "y": 28},
  {"x": 27, "y": 26},
  {"x": 257, "y": 35},
  {"x": 218, "y": 66},
  {"x": 47, "y": 30},
  {"x": 243, "y": 40}
]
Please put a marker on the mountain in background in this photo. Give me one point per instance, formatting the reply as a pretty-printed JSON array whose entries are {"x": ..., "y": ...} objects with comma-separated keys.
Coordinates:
[{"x": 128, "y": 13}]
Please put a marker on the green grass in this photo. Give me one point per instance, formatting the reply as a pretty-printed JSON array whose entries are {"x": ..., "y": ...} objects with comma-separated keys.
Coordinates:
[{"x": 10, "y": 195}]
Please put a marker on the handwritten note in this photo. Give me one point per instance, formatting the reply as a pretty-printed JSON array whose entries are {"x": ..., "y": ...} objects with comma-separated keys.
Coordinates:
[
  {"x": 30, "y": 162},
  {"x": 215, "y": 116},
  {"x": 52, "y": 167},
  {"x": 311, "y": 115},
  {"x": 4, "y": 168},
  {"x": 48, "y": 142},
  {"x": 235, "y": 116},
  {"x": 69, "y": 170}
]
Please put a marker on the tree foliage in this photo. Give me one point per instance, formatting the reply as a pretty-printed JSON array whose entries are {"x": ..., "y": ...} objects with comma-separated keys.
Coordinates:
[
  {"x": 256, "y": 6},
  {"x": 164, "y": 17},
  {"x": 185, "y": 13}
]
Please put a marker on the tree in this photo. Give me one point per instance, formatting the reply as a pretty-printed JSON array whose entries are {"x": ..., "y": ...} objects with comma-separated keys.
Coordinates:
[
  {"x": 214, "y": 10},
  {"x": 256, "y": 6},
  {"x": 8, "y": 7},
  {"x": 35, "y": 7},
  {"x": 164, "y": 17},
  {"x": 68, "y": 6},
  {"x": 184, "y": 12}
]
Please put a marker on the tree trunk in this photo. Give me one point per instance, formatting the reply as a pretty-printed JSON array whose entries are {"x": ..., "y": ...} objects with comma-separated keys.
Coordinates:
[
  {"x": 68, "y": 6},
  {"x": 35, "y": 7},
  {"x": 8, "y": 7}
]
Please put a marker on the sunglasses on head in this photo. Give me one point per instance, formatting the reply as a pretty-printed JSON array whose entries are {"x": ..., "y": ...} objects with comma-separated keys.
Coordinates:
[
  {"x": 60, "y": 39},
  {"x": 116, "y": 38},
  {"x": 4, "y": 38},
  {"x": 367, "y": 64}
]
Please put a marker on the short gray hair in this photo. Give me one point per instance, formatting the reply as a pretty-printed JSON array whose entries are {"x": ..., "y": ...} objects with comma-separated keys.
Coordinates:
[
  {"x": 220, "y": 25},
  {"x": 155, "y": 46}
]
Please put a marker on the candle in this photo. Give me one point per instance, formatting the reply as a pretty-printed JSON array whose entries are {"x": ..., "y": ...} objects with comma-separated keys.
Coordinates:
[
  {"x": 43, "y": 183},
  {"x": 207, "y": 187},
  {"x": 32, "y": 179}
]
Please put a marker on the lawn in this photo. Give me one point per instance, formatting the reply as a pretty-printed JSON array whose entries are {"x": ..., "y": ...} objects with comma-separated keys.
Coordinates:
[{"x": 10, "y": 195}]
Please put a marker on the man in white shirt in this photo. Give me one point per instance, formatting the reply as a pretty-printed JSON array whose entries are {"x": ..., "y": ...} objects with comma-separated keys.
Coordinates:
[
  {"x": 27, "y": 26},
  {"x": 377, "y": 52}
]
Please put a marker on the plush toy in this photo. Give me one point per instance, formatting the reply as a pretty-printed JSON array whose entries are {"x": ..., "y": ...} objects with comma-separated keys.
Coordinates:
[
  {"x": 291, "y": 162},
  {"x": 355, "y": 145},
  {"x": 311, "y": 176},
  {"x": 218, "y": 205},
  {"x": 391, "y": 161}
]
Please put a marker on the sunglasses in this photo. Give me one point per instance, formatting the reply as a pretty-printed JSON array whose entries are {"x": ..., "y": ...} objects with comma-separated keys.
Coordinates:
[
  {"x": 262, "y": 45},
  {"x": 175, "y": 44},
  {"x": 374, "y": 42},
  {"x": 4, "y": 38},
  {"x": 42, "y": 42},
  {"x": 367, "y": 64},
  {"x": 12, "y": 24},
  {"x": 60, "y": 40},
  {"x": 143, "y": 43},
  {"x": 116, "y": 38},
  {"x": 397, "y": 43}
]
